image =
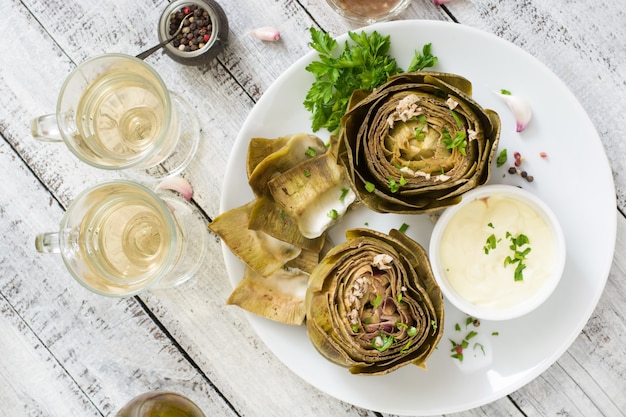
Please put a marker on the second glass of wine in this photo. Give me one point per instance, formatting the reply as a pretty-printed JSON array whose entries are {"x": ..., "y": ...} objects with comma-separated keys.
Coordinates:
[{"x": 120, "y": 238}]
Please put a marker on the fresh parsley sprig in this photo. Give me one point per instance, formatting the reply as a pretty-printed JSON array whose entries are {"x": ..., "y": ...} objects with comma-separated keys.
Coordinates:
[{"x": 364, "y": 63}]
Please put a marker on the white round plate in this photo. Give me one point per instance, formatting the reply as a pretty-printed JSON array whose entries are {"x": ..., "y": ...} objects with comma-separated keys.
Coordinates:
[{"x": 574, "y": 180}]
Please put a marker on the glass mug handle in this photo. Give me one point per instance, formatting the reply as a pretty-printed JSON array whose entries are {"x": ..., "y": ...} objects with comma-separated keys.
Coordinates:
[
  {"x": 46, "y": 129},
  {"x": 48, "y": 242}
]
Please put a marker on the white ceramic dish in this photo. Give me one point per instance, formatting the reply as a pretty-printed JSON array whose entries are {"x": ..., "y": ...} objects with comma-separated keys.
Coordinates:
[
  {"x": 585, "y": 205},
  {"x": 556, "y": 265}
]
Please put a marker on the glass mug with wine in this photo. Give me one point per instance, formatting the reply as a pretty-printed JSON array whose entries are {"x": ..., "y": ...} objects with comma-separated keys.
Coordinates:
[
  {"x": 120, "y": 238},
  {"x": 114, "y": 112}
]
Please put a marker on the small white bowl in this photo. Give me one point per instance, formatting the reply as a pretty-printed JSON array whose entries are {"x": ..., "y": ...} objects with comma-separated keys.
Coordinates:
[{"x": 482, "y": 285}]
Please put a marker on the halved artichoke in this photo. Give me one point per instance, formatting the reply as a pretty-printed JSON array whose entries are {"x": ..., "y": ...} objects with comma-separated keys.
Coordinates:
[
  {"x": 417, "y": 143},
  {"x": 372, "y": 304}
]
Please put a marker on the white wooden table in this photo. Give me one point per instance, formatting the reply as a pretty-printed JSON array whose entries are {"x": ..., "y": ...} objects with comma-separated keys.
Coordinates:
[{"x": 67, "y": 352}]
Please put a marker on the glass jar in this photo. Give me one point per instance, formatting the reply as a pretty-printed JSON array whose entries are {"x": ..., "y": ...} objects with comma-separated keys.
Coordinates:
[{"x": 366, "y": 12}]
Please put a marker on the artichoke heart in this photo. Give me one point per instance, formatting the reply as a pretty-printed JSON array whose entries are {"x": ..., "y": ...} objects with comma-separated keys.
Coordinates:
[
  {"x": 417, "y": 143},
  {"x": 373, "y": 305}
]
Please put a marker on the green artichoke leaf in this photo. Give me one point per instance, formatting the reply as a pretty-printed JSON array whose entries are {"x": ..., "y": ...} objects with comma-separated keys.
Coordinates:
[
  {"x": 260, "y": 251},
  {"x": 278, "y": 297},
  {"x": 261, "y": 148},
  {"x": 373, "y": 305},
  {"x": 316, "y": 193},
  {"x": 267, "y": 217},
  {"x": 296, "y": 149}
]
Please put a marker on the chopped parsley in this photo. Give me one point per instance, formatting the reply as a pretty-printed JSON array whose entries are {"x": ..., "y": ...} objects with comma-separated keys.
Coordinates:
[
  {"x": 459, "y": 141},
  {"x": 382, "y": 342},
  {"x": 344, "y": 193},
  {"x": 394, "y": 186},
  {"x": 310, "y": 152},
  {"x": 502, "y": 157},
  {"x": 333, "y": 214},
  {"x": 519, "y": 255},
  {"x": 403, "y": 228},
  {"x": 369, "y": 187}
]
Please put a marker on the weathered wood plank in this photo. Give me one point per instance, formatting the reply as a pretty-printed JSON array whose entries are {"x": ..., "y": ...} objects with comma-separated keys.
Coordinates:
[{"x": 65, "y": 348}]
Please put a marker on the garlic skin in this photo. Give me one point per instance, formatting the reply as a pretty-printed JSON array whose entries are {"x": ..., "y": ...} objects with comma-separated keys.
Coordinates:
[
  {"x": 266, "y": 33},
  {"x": 520, "y": 108},
  {"x": 178, "y": 184}
]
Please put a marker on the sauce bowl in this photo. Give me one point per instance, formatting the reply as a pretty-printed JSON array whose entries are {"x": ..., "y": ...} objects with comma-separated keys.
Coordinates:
[{"x": 499, "y": 253}]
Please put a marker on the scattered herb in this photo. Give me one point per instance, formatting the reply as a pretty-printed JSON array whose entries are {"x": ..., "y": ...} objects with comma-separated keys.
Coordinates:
[
  {"x": 495, "y": 333},
  {"x": 394, "y": 186},
  {"x": 419, "y": 130},
  {"x": 519, "y": 254},
  {"x": 333, "y": 214},
  {"x": 310, "y": 152},
  {"x": 458, "y": 142},
  {"x": 433, "y": 324},
  {"x": 355, "y": 328},
  {"x": 363, "y": 64},
  {"x": 376, "y": 301},
  {"x": 369, "y": 187},
  {"x": 502, "y": 157},
  {"x": 403, "y": 228},
  {"x": 505, "y": 92},
  {"x": 344, "y": 193},
  {"x": 307, "y": 173},
  {"x": 490, "y": 243},
  {"x": 387, "y": 342},
  {"x": 412, "y": 331}
]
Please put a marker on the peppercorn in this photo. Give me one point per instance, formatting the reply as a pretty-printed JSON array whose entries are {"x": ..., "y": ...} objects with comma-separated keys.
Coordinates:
[
  {"x": 512, "y": 170},
  {"x": 196, "y": 31}
]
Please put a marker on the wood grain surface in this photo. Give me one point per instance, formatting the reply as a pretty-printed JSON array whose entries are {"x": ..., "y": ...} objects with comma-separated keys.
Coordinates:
[{"x": 65, "y": 351}]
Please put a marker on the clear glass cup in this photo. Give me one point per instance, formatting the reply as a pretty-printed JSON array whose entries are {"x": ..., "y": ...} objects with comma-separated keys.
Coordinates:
[
  {"x": 367, "y": 12},
  {"x": 120, "y": 238},
  {"x": 160, "y": 404},
  {"x": 114, "y": 112}
]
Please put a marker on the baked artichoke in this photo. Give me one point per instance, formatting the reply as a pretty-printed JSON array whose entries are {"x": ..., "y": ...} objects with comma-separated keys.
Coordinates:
[
  {"x": 417, "y": 143},
  {"x": 372, "y": 304}
]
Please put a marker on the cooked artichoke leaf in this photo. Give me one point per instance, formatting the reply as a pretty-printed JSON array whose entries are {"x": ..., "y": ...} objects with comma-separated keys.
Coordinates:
[
  {"x": 267, "y": 217},
  {"x": 316, "y": 193},
  {"x": 278, "y": 297},
  {"x": 371, "y": 304},
  {"x": 297, "y": 148},
  {"x": 258, "y": 250},
  {"x": 261, "y": 148}
]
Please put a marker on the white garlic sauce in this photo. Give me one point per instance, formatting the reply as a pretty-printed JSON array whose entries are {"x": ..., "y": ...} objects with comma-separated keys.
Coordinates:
[{"x": 483, "y": 279}]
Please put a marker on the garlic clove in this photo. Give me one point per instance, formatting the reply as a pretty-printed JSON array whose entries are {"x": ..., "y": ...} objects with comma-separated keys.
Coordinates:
[
  {"x": 178, "y": 184},
  {"x": 520, "y": 108},
  {"x": 266, "y": 33}
]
